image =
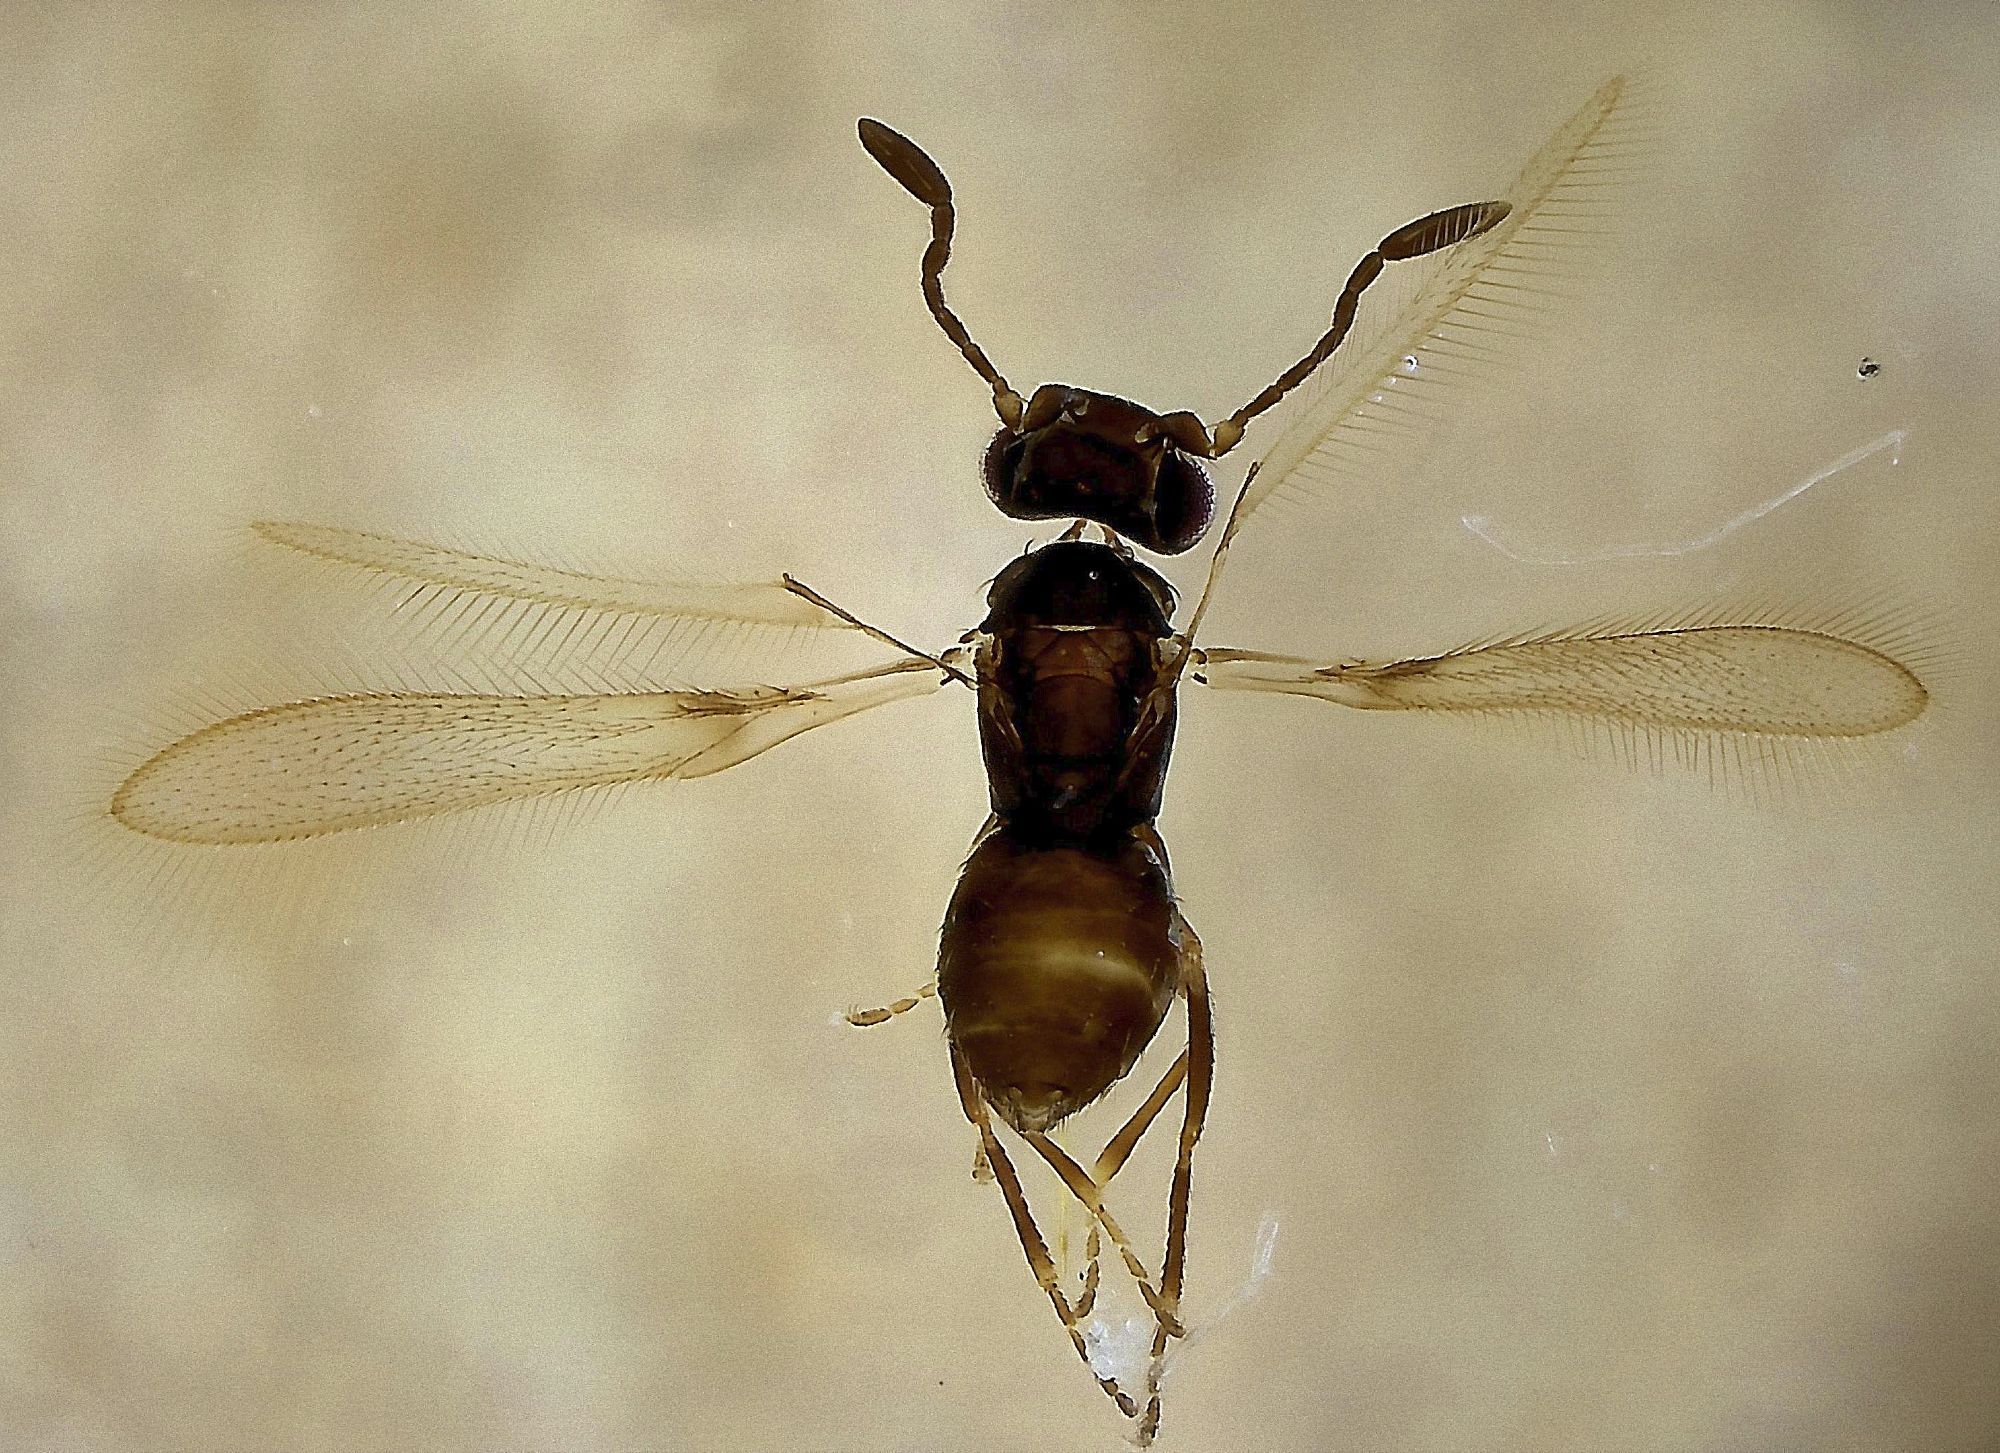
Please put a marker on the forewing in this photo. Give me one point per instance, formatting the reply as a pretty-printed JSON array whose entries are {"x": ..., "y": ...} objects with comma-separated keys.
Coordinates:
[
  {"x": 331, "y": 764},
  {"x": 1714, "y": 679},
  {"x": 1433, "y": 323}
]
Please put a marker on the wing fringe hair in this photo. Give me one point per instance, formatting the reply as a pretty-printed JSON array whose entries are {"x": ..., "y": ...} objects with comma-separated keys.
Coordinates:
[
  {"x": 543, "y": 624},
  {"x": 1746, "y": 698},
  {"x": 1435, "y": 323}
]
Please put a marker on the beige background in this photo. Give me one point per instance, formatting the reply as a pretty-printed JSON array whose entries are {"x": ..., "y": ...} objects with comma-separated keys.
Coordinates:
[{"x": 1591, "y": 1107}]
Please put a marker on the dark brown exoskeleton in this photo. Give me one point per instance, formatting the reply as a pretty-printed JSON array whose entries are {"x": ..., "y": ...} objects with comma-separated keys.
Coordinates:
[
  {"x": 1064, "y": 948},
  {"x": 1073, "y": 453}
]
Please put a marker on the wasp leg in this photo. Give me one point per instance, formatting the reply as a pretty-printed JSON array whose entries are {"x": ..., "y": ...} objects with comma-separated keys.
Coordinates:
[
  {"x": 1091, "y": 1194},
  {"x": 1086, "y": 1300},
  {"x": 1196, "y": 1069},
  {"x": 1113, "y": 1157},
  {"x": 1032, "y": 1245},
  {"x": 1195, "y": 1111},
  {"x": 863, "y": 1018},
  {"x": 1120, "y": 1146},
  {"x": 944, "y": 663}
]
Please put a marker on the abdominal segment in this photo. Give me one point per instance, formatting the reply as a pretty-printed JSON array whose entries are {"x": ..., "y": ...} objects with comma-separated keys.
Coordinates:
[{"x": 1056, "y": 967}]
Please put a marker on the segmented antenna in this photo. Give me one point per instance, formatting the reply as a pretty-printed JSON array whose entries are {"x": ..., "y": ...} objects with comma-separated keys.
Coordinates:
[
  {"x": 922, "y": 178},
  {"x": 1412, "y": 240}
]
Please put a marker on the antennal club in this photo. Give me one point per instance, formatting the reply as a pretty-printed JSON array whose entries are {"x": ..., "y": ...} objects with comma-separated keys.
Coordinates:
[{"x": 923, "y": 179}]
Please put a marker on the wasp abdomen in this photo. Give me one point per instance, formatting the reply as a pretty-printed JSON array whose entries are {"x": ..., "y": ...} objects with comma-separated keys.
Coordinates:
[{"x": 1056, "y": 966}]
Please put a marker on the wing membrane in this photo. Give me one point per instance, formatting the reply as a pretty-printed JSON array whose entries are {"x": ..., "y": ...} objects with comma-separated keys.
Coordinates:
[
  {"x": 763, "y": 603},
  {"x": 1439, "y": 319},
  {"x": 331, "y": 764},
  {"x": 1754, "y": 680},
  {"x": 543, "y": 628}
]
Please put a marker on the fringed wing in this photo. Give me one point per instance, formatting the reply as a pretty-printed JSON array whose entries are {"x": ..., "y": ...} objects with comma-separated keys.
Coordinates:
[
  {"x": 623, "y": 630},
  {"x": 763, "y": 603},
  {"x": 1711, "y": 679},
  {"x": 1435, "y": 322},
  {"x": 331, "y": 764}
]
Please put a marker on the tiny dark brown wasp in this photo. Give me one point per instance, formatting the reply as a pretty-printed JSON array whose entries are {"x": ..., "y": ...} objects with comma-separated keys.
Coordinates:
[{"x": 1064, "y": 948}]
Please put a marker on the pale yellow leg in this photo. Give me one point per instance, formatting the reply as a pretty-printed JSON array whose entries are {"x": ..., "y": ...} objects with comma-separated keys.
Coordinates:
[{"x": 862, "y": 1018}]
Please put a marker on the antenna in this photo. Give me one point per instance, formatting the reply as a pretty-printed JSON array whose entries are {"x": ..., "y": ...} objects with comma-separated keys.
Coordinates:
[
  {"x": 922, "y": 178},
  {"x": 1413, "y": 239}
]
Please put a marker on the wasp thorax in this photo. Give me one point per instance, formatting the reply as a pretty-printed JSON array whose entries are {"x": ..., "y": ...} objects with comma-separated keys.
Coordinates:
[
  {"x": 1055, "y": 968},
  {"x": 1084, "y": 455}
]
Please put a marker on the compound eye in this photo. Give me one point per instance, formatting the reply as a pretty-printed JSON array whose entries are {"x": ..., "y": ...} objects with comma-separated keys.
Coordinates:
[
  {"x": 1183, "y": 503},
  {"x": 999, "y": 466}
]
